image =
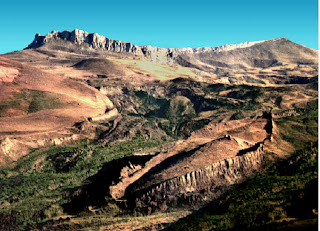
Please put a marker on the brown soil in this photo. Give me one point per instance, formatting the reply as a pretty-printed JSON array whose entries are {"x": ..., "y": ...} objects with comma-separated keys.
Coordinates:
[
  {"x": 79, "y": 101},
  {"x": 101, "y": 66}
]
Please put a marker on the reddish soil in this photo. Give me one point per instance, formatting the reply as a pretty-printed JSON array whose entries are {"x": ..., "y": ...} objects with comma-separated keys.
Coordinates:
[{"x": 78, "y": 101}]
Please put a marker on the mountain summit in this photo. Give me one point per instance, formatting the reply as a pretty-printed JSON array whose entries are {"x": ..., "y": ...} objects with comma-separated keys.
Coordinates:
[
  {"x": 258, "y": 53},
  {"x": 80, "y": 37},
  {"x": 105, "y": 128},
  {"x": 96, "y": 41}
]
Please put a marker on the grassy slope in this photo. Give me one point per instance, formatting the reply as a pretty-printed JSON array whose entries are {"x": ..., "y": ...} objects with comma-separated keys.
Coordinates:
[
  {"x": 30, "y": 101},
  {"x": 301, "y": 129},
  {"x": 35, "y": 189}
]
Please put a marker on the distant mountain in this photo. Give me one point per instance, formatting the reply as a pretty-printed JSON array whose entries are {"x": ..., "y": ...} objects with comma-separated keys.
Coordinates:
[
  {"x": 94, "y": 131},
  {"x": 260, "y": 54},
  {"x": 97, "y": 41},
  {"x": 221, "y": 60}
]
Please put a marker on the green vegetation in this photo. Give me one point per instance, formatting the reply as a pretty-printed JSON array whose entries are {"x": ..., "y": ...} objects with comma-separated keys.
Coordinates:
[
  {"x": 29, "y": 101},
  {"x": 39, "y": 100},
  {"x": 38, "y": 185},
  {"x": 302, "y": 128},
  {"x": 18, "y": 101},
  {"x": 176, "y": 104},
  {"x": 154, "y": 107},
  {"x": 237, "y": 115},
  {"x": 36, "y": 188},
  {"x": 286, "y": 190},
  {"x": 177, "y": 115},
  {"x": 5, "y": 105},
  {"x": 170, "y": 115},
  {"x": 246, "y": 93}
]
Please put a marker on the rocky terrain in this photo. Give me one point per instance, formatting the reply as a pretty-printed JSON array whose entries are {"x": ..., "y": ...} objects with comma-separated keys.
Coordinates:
[
  {"x": 94, "y": 127},
  {"x": 96, "y": 41}
]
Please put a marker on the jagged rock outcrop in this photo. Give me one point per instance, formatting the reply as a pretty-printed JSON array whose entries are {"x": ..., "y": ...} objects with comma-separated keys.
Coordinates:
[
  {"x": 156, "y": 54},
  {"x": 99, "y": 41},
  {"x": 194, "y": 177},
  {"x": 197, "y": 186},
  {"x": 81, "y": 37},
  {"x": 223, "y": 61},
  {"x": 185, "y": 178}
]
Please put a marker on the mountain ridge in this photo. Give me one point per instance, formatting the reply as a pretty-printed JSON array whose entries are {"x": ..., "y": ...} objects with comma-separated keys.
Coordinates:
[
  {"x": 99, "y": 41},
  {"x": 248, "y": 54},
  {"x": 93, "y": 128}
]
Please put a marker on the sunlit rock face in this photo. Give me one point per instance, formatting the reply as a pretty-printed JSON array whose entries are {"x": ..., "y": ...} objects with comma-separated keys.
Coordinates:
[{"x": 156, "y": 54}]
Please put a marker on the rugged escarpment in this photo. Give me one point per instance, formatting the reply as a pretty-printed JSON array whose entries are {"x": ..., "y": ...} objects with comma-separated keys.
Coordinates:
[
  {"x": 206, "y": 55},
  {"x": 97, "y": 41},
  {"x": 81, "y": 37},
  {"x": 183, "y": 182},
  {"x": 259, "y": 62},
  {"x": 189, "y": 173},
  {"x": 208, "y": 145},
  {"x": 198, "y": 186},
  {"x": 113, "y": 129}
]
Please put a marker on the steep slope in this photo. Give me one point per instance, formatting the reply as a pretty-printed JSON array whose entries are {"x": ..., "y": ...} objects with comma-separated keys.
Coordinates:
[
  {"x": 276, "y": 61},
  {"x": 167, "y": 128},
  {"x": 270, "y": 62},
  {"x": 38, "y": 107},
  {"x": 283, "y": 198},
  {"x": 59, "y": 58},
  {"x": 255, "y": 54},
  {"x": 190, "y": 173},
  {"x": 263, "y": 63},
  {"x": 264, "y": 54}
]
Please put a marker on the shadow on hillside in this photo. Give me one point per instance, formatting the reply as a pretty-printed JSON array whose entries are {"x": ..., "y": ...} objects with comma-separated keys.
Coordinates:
[{"x": 96, "y": 192}]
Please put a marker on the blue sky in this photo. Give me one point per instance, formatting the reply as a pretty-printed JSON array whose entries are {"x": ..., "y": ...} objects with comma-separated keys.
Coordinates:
[{"x": 165, "y": 23}]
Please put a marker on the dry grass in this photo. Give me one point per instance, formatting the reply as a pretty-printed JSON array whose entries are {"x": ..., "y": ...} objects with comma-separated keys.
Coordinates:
[{"x": 129, "y": 223}]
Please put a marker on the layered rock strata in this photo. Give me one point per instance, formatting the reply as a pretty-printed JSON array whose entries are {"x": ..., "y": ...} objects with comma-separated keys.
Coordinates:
[
  {"x": 201, "y": 185},
  {"x": 187, "y": 179},
  {"x": 156, "y": 54}
]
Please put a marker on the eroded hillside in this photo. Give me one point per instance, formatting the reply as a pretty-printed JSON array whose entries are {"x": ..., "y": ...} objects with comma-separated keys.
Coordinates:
[{"x": 96, "y": 127}]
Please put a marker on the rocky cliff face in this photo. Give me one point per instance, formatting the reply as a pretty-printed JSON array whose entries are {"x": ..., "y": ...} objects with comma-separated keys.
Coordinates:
[
  {"x": 200, "y": 182},
  {"x": 235, "y": 64},
  {"x": 156, "y": 54},
  {"x": 197, "y": 186},
  {"x": 80, "y": 37},
  {"x": 188, "y": 173}
]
